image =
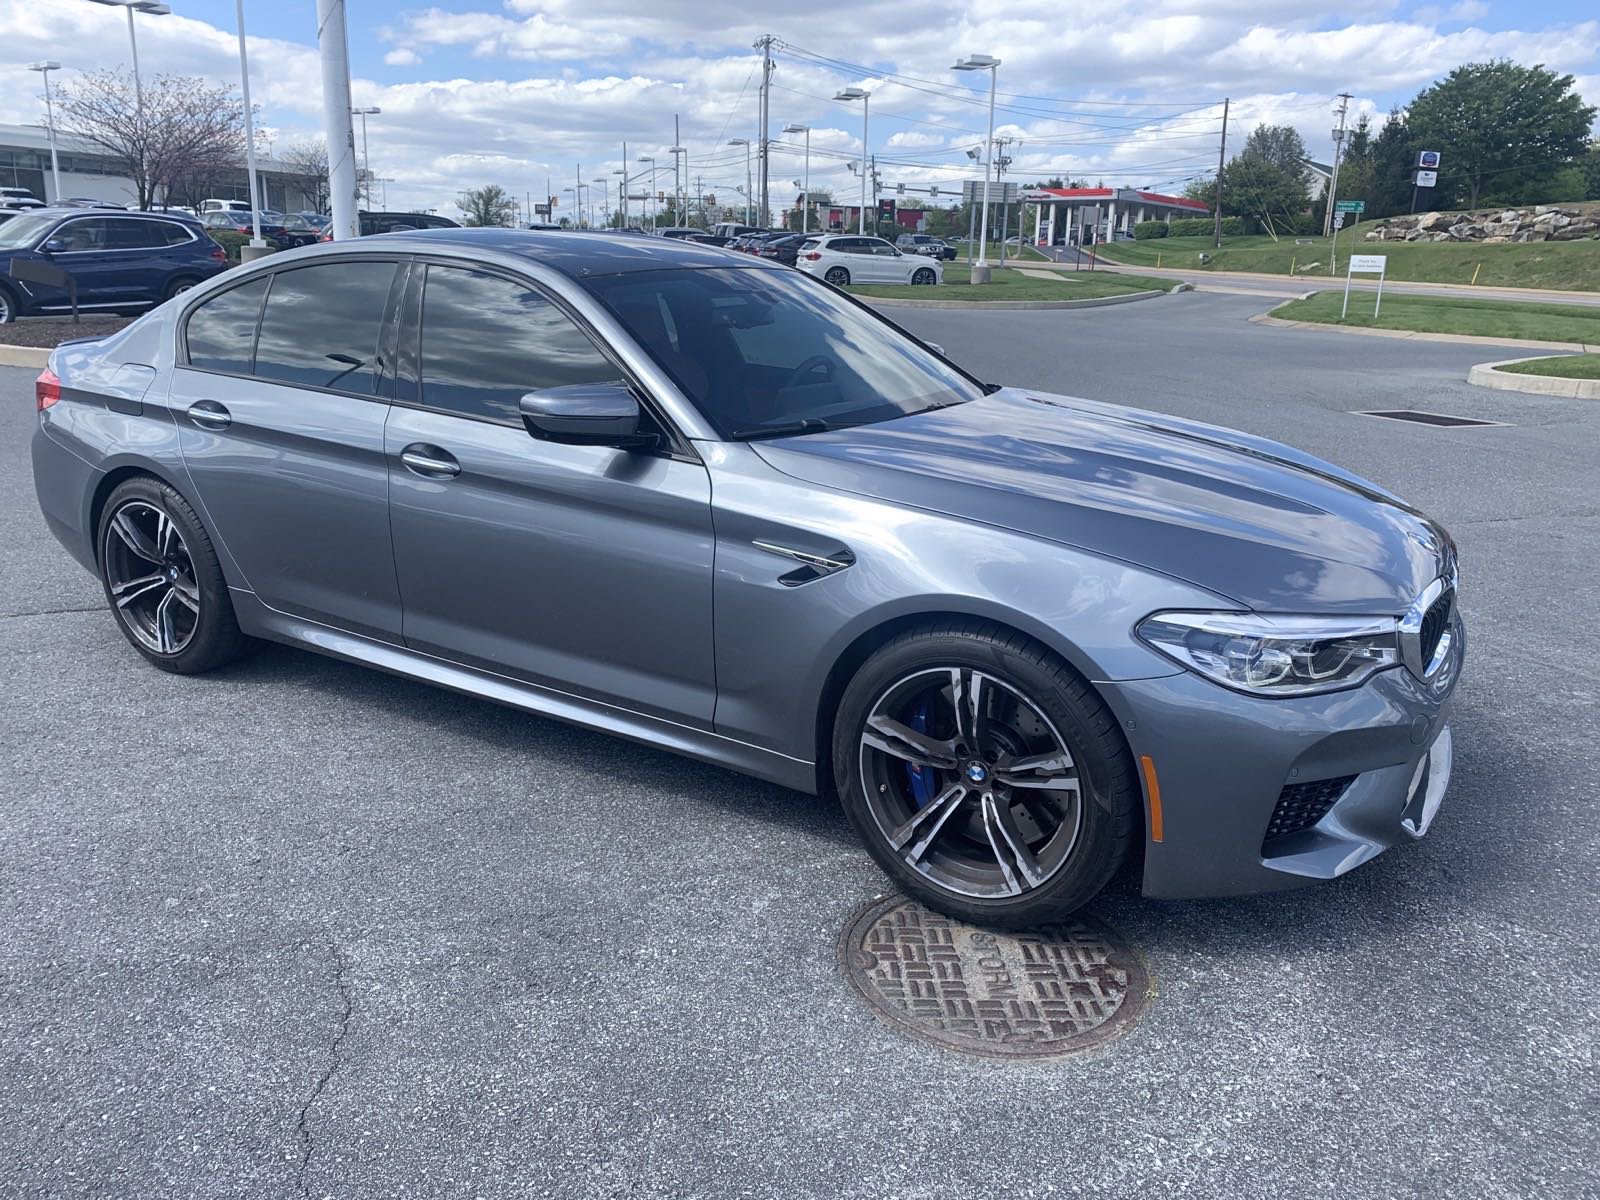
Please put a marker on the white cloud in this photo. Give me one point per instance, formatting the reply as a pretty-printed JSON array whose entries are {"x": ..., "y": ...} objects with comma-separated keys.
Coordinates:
[{"x": 403, "y": 57}]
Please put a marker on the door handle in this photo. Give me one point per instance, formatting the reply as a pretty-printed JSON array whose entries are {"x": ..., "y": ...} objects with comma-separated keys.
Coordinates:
[
  {"x": 208, "y": 414},
  {"x": 429, "y": 461}
]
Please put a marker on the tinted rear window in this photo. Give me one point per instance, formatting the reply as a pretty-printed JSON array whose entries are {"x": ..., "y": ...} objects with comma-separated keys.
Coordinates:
[
  {"x": 320, "y": 326},
  {"x": 222, "y": 331}
]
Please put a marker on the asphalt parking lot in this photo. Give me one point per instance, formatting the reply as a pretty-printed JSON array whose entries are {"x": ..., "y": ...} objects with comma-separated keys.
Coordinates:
[{"x": 302, "y": 929}]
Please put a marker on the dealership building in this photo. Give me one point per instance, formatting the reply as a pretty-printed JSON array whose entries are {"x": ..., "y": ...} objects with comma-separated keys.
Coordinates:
[{"x": 88, "y": 172}]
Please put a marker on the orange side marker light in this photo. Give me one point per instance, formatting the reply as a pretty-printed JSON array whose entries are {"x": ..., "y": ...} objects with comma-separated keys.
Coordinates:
[{"x": 1152, "y": 788}]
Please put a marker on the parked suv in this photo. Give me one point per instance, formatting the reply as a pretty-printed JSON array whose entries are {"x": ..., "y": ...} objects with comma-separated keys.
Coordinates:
[
  {"x": 842, "y": 259},
  {"x": 272, "y": 229},
  {"x": 394, "y": 222},
  {"x": 926, "y": 243},
  {"x": 121, "y": 262},
  {"x": 15, "y": 197}
]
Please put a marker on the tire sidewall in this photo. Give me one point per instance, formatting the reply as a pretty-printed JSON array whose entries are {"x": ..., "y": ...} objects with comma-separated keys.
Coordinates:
[
  {"x": 217, "y": 636},
  {"x": 923, "y": 276},
  {"x": 1109, "y": 803},
  {"x": 838, "y": 276}
]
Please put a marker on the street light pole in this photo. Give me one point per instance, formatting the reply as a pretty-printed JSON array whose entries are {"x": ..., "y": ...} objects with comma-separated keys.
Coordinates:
[
  {"x": 805, "y": 184},
  {"x": 144, "y": 6},
  {"x": 257, "y": 242},
  {"x": 984, "y": 62},
  {"x": 44, "y": 68},
  {"x": 366, "y": 159},
  {"x": 855, "y": 93},
  {"x": 745, "y": 142}
]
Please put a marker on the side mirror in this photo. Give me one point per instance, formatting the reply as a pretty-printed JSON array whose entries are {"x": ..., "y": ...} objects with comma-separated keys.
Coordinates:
[
  {"x": 585, "y": 414},
  {"x": 53, "y": 246}
]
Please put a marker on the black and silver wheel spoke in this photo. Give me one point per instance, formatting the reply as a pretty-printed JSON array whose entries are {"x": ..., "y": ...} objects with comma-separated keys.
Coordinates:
[
  {"x": 135, "y": 538},
  {"x": 187, "y": 593},
  {"x": 970, "y": 783},
  {"x": 926, "y": 823},
  {"x": 166, "y": 633},
  {"x": 126, "y": 593}
]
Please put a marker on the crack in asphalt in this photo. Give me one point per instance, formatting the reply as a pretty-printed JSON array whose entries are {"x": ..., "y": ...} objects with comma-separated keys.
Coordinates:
[{"x": 302, "y": 1124}]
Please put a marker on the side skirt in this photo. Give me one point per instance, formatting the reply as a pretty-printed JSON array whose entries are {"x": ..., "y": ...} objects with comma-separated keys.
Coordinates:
[{"x": 259, "y": 620}]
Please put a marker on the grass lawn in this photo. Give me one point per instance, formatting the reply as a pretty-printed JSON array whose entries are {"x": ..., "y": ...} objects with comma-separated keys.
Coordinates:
[
  {"x": 1479, "y": 318},
  {"x": 1571, "y": 266},
  {"x": 1008, "y": 284},
  {"x": 1567, "y": 366}
]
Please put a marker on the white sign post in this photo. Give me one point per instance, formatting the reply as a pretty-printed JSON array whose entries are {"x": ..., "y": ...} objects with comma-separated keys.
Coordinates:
[{"x": 1365, "y": 264}]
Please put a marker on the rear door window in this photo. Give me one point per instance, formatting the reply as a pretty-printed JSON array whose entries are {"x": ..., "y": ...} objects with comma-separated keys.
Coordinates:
[
  {"x": 321, "y": 326},
  {"x": 221, "y": 333}
]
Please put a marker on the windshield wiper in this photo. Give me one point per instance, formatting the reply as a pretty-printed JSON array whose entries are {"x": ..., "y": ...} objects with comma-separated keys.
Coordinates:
[{"x": 787, "y": 429}]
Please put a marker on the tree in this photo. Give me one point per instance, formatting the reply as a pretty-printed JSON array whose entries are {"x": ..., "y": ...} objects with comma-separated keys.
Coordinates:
[
  {"x": 186, "y": 133},
  {"x": 308, "y": 168},
  {"x": 1280, "y": 145},
  {"x": 1499, "y": 128},
  {"x": 1393, "y": 166},
  {"x": 1591, "y": 172},
  {"x": 490, "y": 204}
]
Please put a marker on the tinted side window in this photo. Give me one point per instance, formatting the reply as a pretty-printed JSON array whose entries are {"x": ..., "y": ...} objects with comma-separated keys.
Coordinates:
[
  {"x": 222, "y": 331},
  {"x": 486, "y": 340},
  {"x": 321, "y": 324},
  {"x": 131, "y": 233},
  {"x": 86, "y": 233}
]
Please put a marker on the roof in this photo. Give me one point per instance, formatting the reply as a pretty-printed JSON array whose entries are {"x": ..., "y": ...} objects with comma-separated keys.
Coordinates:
[
  {"x": 1322, "y": 169},
  {"x": 1125, "y": 194},
  {"x": 577, "y": 252}
]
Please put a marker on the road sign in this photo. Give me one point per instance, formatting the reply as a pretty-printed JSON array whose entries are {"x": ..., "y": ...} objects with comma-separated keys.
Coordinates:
[
  {"x": 1428, "y": 160},
  {"x": 1365, "y": 264},
  {"x": 1338, "y": 220},
  {"x": 1427, "y": 178},
  {"x": 1354, "y": 206}
]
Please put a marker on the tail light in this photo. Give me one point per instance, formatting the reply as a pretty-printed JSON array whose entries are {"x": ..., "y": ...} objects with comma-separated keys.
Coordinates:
[
  {"x": 812, "y": 256},
  {"x": 46, "y": 389},
  {"x": 327, "y": 235},
  {"x": 218, "y": 253}
]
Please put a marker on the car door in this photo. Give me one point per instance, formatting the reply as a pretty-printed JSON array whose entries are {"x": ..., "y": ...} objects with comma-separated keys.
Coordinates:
[
  {"x": 84, "y": 248},
  {"x": 280, "y": 396},
  {"x": 582, "y": 568},
  {"x": 888, "y": 264}
]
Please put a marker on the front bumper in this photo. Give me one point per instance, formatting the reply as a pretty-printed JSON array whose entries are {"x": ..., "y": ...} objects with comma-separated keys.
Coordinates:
[{"x": 1224, "y": 759}]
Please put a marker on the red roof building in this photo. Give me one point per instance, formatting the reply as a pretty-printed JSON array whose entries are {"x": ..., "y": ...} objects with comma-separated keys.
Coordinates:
[{"x": 1081, "y": 216}]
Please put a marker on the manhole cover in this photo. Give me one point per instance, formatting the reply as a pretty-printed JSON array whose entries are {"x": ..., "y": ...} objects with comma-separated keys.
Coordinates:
[
  {"x": 1053, "y": 990},
  {"x": 1418, "y": 417}
]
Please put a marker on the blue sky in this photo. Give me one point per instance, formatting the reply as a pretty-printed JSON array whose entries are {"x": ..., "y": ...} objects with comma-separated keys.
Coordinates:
[{"x": 517, "y": 91}]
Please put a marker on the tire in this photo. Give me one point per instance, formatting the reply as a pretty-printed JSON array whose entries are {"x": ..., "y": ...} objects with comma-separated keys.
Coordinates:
[
  {"x": 8, "y": 306},
  {"x": 162, "y": 579},
  {"x": 837, "y": 276},
  {"x": 178, "y": 286},
  {"x": 1011, "y": 850},
  {"x": 924, "y": 276}
]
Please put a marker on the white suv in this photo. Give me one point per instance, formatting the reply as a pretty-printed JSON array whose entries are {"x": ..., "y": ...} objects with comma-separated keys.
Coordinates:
[{"x": 842, "y": 259}]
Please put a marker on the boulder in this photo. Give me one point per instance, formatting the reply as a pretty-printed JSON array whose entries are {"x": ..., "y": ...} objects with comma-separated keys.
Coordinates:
[
  {"x": 1497, "y": 238},
  {"x": 1431, "y": 221},
  {"x": 1575, "y": 230},
  {"x": 1373, "y": 235},
  {"x": 1528, "y": 235}
]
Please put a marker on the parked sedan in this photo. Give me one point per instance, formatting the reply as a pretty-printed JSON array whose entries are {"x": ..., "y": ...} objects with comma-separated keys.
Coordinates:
[
  {"x": 120, "y": 262},
  {"x": 843, "y": 259},
  {"x": 708, "y": 504},
  {"x": 234, "y": 221},
  {"x": 783, "y": 247}
]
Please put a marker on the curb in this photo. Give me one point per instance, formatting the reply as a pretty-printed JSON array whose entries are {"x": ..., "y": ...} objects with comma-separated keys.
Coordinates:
[
  {"x": 1413, "y": 335},
  {"x": 1488, "y": 375},
  {"x": 1487, "y": 289},
  {"x": 24, "y": 356},
  {"x": 1007, "y": 305}
]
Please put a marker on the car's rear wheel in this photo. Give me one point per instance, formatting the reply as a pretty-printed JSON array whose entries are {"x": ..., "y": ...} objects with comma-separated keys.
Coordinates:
[
  {"x": 837, "y": 276},
  {"x": 984, "y": 774},
  {"x": 163, "y": 581},
  {"x": 8, "y": 306},
  {"x": 923, "y": 276},
  {"x": 179, "y": 286}
]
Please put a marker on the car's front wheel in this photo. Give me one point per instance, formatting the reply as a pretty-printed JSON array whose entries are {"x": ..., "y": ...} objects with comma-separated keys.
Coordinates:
[
  {"x": 837, "y": 276},
  {"x": 985, "y": 775},
  {"x": 8, "y": 306},
  {"x": 163, "y": 581},
  {"x": 924, "y": 276}
]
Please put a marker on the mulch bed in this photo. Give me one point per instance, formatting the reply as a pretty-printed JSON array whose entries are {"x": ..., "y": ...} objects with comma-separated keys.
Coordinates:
[{"x": 48, "y": 332}]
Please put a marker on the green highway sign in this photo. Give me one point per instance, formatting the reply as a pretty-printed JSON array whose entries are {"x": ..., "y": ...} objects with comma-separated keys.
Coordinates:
[{"x": 1350, "y": 206}]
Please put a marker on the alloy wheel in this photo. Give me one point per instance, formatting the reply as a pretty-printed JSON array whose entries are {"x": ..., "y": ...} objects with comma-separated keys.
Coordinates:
[
  {"x": 970, "y": 784},
  {"x": 837, "y": 276},
  {"x": 151, "y": 577},
  {"x": 7, "y": 313}
]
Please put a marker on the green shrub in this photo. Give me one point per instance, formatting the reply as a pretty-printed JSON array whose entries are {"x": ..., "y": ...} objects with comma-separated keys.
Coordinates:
[
  {"x": 1200, "y": 226},
  {"x": 230, "y": 241},
  {"x": 1145, "y": 230}
]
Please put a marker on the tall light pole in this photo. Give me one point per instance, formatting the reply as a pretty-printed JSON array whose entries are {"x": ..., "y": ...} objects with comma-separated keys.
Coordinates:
[
  {"x": 984, "y": 62},
  {"x": 366, "y": 160},
  {"x": 334, "y": 50},
  {"x": 805, "y": 185},
  {"x": 680, "y": 155},
  {"x": 44, "y": 68},
  {"x": 745, "y": 142},
  {"x": 605, "y": 199},
  {"x": 855, "y": 93},
  {"x": 650, "y": 196},
  {"x": 257, "y": 242},
  {"x": 144, "y": 6}
]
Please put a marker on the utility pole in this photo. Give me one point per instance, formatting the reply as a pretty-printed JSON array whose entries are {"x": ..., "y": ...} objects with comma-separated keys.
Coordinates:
[
  {"x": 1222, "y": 158},
  {"x": 1002, "y": 160},
  {"x": 765, "y": 45},
  {"x": 333, "y": 46},
  {"x": 1333, "y": 176}
]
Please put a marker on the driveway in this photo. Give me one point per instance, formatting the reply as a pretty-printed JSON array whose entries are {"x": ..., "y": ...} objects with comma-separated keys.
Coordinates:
[{"x": 300, "y": 929}]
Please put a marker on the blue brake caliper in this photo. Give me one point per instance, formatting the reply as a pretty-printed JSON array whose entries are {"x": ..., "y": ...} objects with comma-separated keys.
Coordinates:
[{"x": 921, "y": 777}]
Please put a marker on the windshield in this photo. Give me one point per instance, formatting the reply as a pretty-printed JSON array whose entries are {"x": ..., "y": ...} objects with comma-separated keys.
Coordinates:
[
  {"x": 769, "y": 353},
  {"x": 24, "y": 231}
]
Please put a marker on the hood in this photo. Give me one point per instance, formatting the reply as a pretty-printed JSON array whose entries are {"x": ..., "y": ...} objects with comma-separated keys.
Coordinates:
[{"x": 1250, "y": 519}]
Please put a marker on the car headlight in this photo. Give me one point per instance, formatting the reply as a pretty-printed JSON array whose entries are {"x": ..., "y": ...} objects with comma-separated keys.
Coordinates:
[{"x": 1272, "y": 655}]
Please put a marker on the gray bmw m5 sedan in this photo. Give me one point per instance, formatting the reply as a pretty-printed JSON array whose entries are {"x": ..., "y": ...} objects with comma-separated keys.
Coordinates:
[{"x": 716, "y": 506}]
